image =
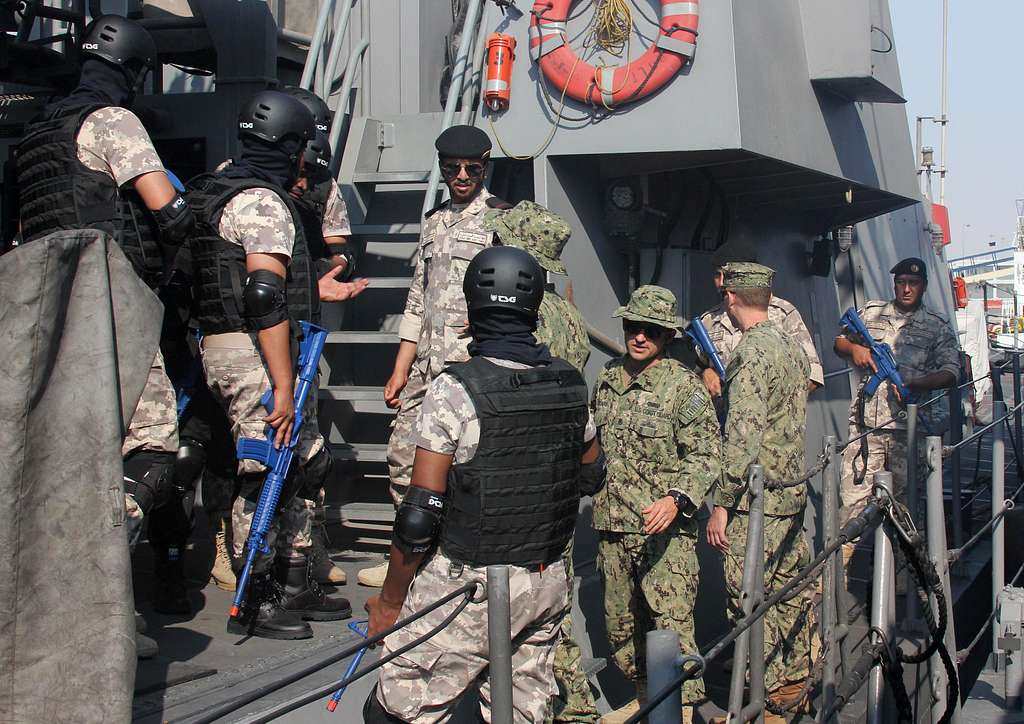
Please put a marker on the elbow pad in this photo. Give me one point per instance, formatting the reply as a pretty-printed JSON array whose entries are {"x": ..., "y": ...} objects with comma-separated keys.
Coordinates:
[
  {"x": 264, "y": 303},
  {"x": 592, "y": 475},
  {"x": 418, "y": 520},
  {"x": 175, "y": 221}
]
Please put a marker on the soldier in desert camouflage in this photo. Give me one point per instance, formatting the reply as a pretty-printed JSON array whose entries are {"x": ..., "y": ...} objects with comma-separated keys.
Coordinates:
[
  {"x": 89, "y": 163},
  {"x": 657, "y": 425},
  {"x": 432, "y": 329},
  {"x": 726, "y": 336},
  {"x": 505, "y": 445},
  {"x": 560, "y": 326},
  {"x": 767, "y": 397}
]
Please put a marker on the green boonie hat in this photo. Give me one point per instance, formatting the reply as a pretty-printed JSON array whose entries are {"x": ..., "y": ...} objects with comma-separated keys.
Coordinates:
[
  {"x": 530, "y": 226},
  {"x": 746, "y": 275},
  {"x": 653, "y": 304}
]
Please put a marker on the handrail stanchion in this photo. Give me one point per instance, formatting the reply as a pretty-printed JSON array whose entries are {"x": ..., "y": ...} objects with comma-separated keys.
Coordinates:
[
  {"x": 998, "y": 531},
  {"x": 662, "y": 669},
  {"x": 499, "y": 643},
  {"x": 829, "y": 602},
  {"x": 956, "y": 434},
  {"x": 459, "y": 71},
  {"x": 750, "y": 644},
  {"x": 1016, "y": 399},
  {"x": 883, "y": 606},
  {"x": 997, "y": 383},
  {"x": 912, "y": 619},
  {"x": 937, "y": 551},
  {"x": 316, "y": 44}
]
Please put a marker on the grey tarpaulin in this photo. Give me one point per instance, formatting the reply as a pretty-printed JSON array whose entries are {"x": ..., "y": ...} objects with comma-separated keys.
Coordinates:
[{"x": 78, "y": 332}]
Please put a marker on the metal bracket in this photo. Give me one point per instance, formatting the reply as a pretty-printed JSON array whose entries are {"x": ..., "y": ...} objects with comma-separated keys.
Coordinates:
[{"x": 385, "y": 135}]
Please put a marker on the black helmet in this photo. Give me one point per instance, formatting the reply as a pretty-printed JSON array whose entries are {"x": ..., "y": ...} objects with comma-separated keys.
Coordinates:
[
  {"x": 120, "y": 41},
  {"x": 272, "y": 115},
  {"x": 315, "y": 104},
  {"x": 504, "y": 277},
  {"x": 317, "y": 155}
]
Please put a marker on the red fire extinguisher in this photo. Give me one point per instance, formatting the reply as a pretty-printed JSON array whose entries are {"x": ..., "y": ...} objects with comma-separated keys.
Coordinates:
[
  {"x": 960, "y": 292},
  {"x": 501, "y": 52}
]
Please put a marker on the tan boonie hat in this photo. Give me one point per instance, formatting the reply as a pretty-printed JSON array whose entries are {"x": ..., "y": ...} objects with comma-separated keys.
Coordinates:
[
  {"x": 746, "y": 275},
  {"x": 653, "y": 304},
  {"x": 530, "y": 226}
]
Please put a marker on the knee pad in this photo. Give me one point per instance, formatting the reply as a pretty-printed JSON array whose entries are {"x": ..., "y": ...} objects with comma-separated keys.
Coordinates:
[
  {"x": 315, "y": 474},
  {"x": 189, "y": 464},
  {"x": 149, "y": 478},
  {"x": 374, "y": 712}
]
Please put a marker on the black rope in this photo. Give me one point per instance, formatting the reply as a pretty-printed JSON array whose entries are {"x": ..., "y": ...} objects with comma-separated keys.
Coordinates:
[
  {"x": 823, "y": 462},
  {"x": 212, "y": 714}
]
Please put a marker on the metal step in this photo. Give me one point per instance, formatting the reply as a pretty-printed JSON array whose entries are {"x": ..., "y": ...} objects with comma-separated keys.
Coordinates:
[
  {"x": 351, "y": 393},
  {"x": 390, "y": 177},
  {"x": 392, "y": 232},
  {"x": 391, "y": 249},
  {"x": 360, "y": 452},
  {"x": 355, "y": 337},
  {"x": 379, "y": 513},
  {"x": 389, "y": 282}
]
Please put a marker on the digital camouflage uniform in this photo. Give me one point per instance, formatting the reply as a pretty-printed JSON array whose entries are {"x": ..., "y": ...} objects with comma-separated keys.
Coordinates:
[
  {"x": 560, "y": 326},
  {"x": 426, "y": 683},
  {"x": 435, "y": 315},
  {"x": 783, "y": 314},
  {"x": 258, "y": 221},
  {"x": 113, "y": 141},
  {"x": 659, "y": 433},
  {"x": 767, "y": 394},
  {"x": 922, "y": 342}
]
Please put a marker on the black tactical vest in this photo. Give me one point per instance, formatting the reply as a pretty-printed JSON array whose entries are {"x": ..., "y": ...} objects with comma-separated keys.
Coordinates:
[
  {"x": 218, "y": 265},
  {"x": 57, "y": 192},
  {"x": 311, "y": 212},
  {"x": 516, "y": 500}
]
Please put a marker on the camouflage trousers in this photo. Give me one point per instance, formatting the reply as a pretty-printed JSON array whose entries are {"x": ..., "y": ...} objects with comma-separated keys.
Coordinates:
[
  {"x": 425, "y": 684},
  {"x": 885, "y": 451},
  {"x": 404, "y": 432},
  {"x": 787, "y": 627},
  {"x": 237, "y": 378},
  {"x": 650, "y": 581},
  {"x": 154, "y": 424},
  {"x": 574, "y": 701}
]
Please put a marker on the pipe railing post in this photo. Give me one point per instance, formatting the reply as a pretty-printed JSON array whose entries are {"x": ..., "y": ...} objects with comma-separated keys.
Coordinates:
[
  {"x": 337, "y": 41},
  {"x": 459, "y": 69},
  {"x": 956, "y": 425},
  {"x": 662, "y": 669},
  {"x": 998, "y": 531},
  {"x": 467, "y": 113},
  {"x": 937, "y": 551},
  {"x": 750, "y": 644},
  {"x": 912, "y": 619},
  {"x": 883, "y": 606},
  {"x": 499, "y": 643},
  {"x": 1016, "y": 397},
  {"x": 316, "y": 44},
  {"x": 829, "y": 601}
]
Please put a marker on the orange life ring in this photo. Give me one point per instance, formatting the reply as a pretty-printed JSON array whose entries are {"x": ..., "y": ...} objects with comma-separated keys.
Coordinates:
[{"x": 612, "y": 85}]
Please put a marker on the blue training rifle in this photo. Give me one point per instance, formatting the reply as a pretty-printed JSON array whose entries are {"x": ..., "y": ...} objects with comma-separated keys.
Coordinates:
[
  {"x": 881, "y": 353},
  {"x": 361, "y": 628},
  {"x": 278, "y": 460},
  {"x": 698, "y": 333}
]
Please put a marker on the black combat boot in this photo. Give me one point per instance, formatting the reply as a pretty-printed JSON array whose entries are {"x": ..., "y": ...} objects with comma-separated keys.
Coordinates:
[
  {"x": 303, "y": 595},
  {"x": 169, "y": 594},
  {"x": 263, "y": 615}
]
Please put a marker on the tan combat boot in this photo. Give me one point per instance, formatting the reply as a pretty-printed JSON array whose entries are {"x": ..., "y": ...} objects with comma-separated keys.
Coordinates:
[
  {"x": 321, "y": 565},
  {"x": 222, "y": 574},
  {"x": 785, "y": 696},
  {"x": 373, "y": 576}
]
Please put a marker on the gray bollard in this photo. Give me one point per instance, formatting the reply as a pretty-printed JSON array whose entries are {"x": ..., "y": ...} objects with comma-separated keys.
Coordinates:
[
  {"x": 937, "y": 551},
  {"x": 829, "y": 603},
  {"x": 499, "y": 643},
  {"x": 750, "y": 644},
  {"x": 662, "y": 668},
  {"x": 998, "y": 531},
  {"x": 883, "y": 606}
]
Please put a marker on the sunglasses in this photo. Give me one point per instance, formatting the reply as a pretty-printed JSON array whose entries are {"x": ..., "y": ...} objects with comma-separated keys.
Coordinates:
[
  {"x": 450, "y": 169},
  {"x": 651, "y": 331}
]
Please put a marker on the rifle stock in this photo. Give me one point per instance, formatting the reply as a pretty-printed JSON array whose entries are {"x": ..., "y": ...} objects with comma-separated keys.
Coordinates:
[{"x": 882, "y": 354}]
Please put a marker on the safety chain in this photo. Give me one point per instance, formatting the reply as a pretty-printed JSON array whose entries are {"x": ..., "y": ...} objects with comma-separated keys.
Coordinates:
[{"x": 823, "y": 462}]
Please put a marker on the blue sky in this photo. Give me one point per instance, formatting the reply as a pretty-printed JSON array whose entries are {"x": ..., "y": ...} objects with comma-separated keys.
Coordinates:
[{"x": 986, "y": 108}]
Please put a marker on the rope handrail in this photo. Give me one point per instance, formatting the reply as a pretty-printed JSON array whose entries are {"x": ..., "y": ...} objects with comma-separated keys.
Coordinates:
[
  {"x": 956, "y": 554},
  {"x": 214, "y": 713},
  {"x": 824, "y": 460},
  {"x": 870, "y": 518}
]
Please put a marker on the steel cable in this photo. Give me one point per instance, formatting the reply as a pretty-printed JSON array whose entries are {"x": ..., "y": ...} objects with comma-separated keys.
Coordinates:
[{"x": 214, "y": 713}]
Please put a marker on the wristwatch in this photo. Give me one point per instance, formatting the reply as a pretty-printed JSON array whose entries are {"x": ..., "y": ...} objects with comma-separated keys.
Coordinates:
[{"x": 683, "y": 504}]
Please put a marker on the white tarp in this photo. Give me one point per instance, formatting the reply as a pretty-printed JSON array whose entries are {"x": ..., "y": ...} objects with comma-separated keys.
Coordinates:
[
  {"x": 78, "y": 331},
  {"x": 974, "y": 341}
]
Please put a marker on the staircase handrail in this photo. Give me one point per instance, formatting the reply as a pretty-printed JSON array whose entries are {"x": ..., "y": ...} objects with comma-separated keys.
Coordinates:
[
  {"x": 316, "y": 44},
  {"x": 346, "y": 90}
]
